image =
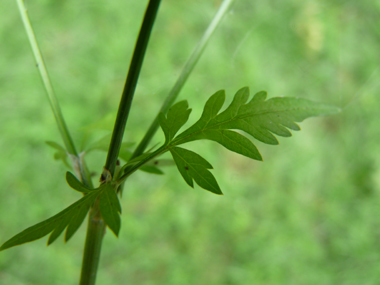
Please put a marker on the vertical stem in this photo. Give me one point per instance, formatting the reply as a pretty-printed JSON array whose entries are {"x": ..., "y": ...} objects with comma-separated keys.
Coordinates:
[
  {"x": 94, "y": 237},
  {"x": 77, "y": 160},
  {"x": 130, "y": 85},
  {"x": 96, "y": 226},
  {"x": 46, "y": 81}
]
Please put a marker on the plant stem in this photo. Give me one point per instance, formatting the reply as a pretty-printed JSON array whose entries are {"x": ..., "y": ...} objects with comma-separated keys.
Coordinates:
[
  {"x": 130, "y": 85},
  {"x": 77, "y": 160},
  {"x": 94, "y": 237},
  {"x": 96, "y": 226},
  {"x": 46, "y": 81},
  {"x": 187, "y": 69}
]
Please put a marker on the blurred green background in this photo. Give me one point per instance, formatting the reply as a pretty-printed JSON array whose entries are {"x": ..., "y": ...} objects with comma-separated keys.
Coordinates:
[{"x": 308, "y": 214}]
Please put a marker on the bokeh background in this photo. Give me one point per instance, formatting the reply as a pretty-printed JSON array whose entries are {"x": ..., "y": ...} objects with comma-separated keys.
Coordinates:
[{"x": 308, "y": 214}]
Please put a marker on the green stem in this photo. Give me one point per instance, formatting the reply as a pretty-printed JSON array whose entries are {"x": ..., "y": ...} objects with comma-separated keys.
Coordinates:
[
  {"x": 46, "y": 81},
  {"x": 188, "y": 68},
  {"x": 130, "y": 85},
  {"x": 77, "y": 160},
  {"x": 94, "y": 237},
  {"x": 96, "y": 226}
]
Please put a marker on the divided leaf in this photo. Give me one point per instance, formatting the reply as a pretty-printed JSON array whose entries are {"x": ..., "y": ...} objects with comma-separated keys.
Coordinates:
[
  {"x": 260, "y": 118},
  {"x": 193, "y": 166}
]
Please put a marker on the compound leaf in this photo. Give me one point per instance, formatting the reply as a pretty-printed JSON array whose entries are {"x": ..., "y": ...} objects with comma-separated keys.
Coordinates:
[
  {"x": 260, "y": 118},
  {"x": 193, "y": 166}
]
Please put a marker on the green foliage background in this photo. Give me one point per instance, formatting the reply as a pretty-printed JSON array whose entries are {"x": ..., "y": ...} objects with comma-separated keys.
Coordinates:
[{"x": 308, "y": 214}]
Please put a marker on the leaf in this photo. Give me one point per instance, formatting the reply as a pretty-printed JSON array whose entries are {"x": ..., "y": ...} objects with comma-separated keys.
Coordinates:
[
  {"x": 176, "y": 117},
  {"x": 55, "y": 224},
  {"x": 259, "y": 117},
  {"x": 193, "y": 166},
  {"x": 75, "y": 183},
  {"x": 110, "y": 207}
]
